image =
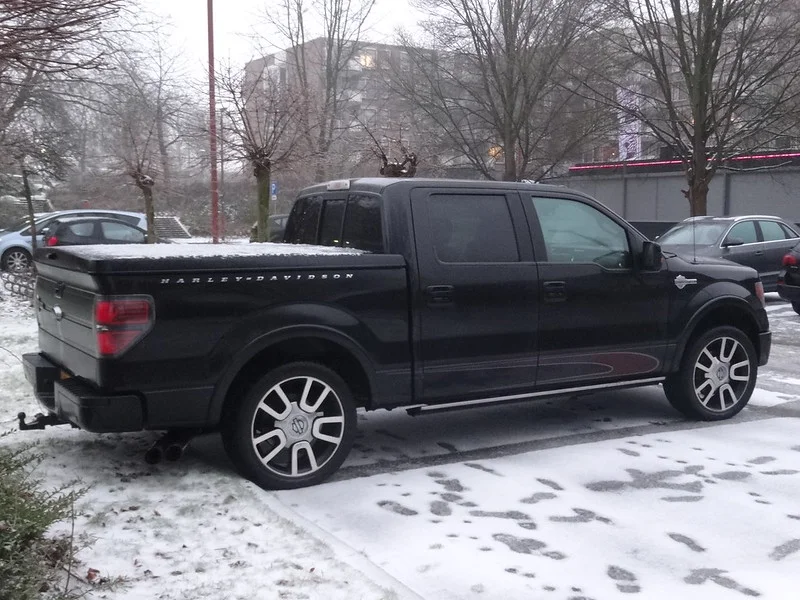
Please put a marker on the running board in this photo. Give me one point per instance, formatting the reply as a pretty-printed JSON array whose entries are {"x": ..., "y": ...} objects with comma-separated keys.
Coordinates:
[{"x": 431, "y": 408}]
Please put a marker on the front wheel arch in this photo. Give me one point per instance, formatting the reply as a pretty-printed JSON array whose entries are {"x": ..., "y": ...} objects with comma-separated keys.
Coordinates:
[{"x": 718, "y": 315}]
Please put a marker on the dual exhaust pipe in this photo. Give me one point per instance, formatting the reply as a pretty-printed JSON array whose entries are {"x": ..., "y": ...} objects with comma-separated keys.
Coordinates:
[{"x": 170, "y": 446}]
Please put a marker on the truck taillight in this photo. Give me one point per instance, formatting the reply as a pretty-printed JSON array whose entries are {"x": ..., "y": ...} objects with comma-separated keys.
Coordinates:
[
  {"x": 760, "y": 293},
  {"x": 789, "y": 260},
  {"x": 121, "y": 321}
]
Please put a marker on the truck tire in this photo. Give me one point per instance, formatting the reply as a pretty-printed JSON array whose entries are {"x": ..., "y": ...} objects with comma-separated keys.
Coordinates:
[
  {"x": 294, "y": 427},
  {"x": 717, "y": 375}
]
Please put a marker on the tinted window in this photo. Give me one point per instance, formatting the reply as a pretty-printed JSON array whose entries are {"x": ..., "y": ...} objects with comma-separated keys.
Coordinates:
[
  {"x": 81, "y": 229},
  {"x": 744, "y": 231},
  {"x": 472, "y": 228},
  {"x": 772, "y": 231},
  {"x": 119, "y": 232},
  {"x": 362, "y": 223},
  {"x": 330, "y": 230},
  {"x": 575, "y": 232},
  {"x": 304, "y": 220}
]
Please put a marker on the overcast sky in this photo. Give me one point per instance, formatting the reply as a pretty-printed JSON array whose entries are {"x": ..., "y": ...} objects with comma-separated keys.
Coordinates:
[{"x": 236, "y": 20}]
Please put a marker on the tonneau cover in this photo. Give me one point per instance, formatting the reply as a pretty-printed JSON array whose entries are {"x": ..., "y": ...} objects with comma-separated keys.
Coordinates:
[{"x": 164, "y": 258}]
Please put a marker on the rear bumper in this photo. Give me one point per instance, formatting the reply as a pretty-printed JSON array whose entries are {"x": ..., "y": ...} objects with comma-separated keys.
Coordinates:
[
  {"x": 788, "y": 292},
  {"x": 80, "y": 403},
  {"x": 77, "y": 402}
]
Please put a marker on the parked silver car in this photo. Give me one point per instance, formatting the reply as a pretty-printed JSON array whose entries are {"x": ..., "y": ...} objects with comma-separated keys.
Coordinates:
[
  {"x": 15, "y": 240},
  {"x": 757, "y": 241}
]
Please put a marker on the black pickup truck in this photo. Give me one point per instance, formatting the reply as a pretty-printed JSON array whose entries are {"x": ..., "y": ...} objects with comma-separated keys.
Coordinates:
[{"x": 424, "y": 294}]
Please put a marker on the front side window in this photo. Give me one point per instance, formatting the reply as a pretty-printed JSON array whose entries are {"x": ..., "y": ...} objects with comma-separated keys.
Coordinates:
[
  {"x": 472, "y": 228},
  {"x": 744, "y": 231},
  {"x": 81, "y": 230},
  {"x": 575, "y": 232}
]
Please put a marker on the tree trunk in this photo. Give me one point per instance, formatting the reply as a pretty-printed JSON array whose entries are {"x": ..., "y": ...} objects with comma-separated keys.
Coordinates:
[
  {"x": 29, "y": 202},
  {"x": 263, "y": 175},
  {"x": 162, "y": 147},
  {"x": 149, "y": 211}
]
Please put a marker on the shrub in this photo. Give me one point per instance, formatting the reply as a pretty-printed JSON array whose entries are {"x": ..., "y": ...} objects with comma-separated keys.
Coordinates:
[{"x": 30, "y": 561}]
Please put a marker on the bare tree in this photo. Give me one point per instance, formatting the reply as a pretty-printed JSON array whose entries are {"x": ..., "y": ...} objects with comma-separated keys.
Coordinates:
[
  {"x": 141, "y": 111},
  {"x": 492, "y": 80},
  {"x": 710, "y": 79},
  {"x": 261, "y": 130},
  {"x": 42, "y": 41},
  {"x": 323, "y": 39}
]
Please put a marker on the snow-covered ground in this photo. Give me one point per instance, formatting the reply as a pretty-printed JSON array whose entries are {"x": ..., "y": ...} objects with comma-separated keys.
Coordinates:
[{"x": 594, "y": 498}]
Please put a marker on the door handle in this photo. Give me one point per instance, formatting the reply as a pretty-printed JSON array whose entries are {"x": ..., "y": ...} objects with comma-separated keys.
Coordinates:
[
  {"x": 439, "y": 294},
  {"x": 759, "y": 253},
  {"x": 555, "y": 291}
]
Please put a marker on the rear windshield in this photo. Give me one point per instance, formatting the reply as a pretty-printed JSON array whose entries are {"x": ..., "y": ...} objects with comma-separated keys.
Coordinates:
[
  {"x": 704, "y": 234},
  {"x": 352, "y": 221}
]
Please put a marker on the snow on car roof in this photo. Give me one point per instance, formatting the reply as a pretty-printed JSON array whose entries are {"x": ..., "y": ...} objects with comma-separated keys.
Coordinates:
[{"x": 135, "y": 251}]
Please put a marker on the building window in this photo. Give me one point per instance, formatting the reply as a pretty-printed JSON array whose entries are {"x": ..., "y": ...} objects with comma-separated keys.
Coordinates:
[{"x": 367, "y": 59}]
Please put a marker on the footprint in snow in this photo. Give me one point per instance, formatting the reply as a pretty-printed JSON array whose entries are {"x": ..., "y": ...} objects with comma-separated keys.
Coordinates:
[
  {"x": 538, "y": 497},
  {"x": 397, "y": 508},
  {"x": 761, "y": 460},
  {"x": 625, "y": 580},
  {"x": 687, "y": 541},
  {"x": 551, "y": 484}
]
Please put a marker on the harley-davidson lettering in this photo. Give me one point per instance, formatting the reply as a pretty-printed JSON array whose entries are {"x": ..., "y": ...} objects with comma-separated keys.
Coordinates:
[{"x": 257, "y": 278}]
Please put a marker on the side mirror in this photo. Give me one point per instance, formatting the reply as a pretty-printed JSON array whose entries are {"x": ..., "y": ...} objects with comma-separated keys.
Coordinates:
[
  {"x": 732, "y": 241},
  {"x": 651, "y": 256}
]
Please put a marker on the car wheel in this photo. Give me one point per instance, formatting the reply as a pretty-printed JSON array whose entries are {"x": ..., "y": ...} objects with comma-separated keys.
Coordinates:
[
  {"x": 16, "y": 260},
  {"x": 796, "y": 307},
  {"x": 717, "y": 375},
  {"x": 294, "y": 427}
]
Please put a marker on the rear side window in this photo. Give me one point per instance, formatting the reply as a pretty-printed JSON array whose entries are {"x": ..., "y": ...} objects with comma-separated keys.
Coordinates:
[
  {"x": 81, "y": 229},
  {"x": 119, "y": 232},
  {"x": 304, "y": 221},
  {"x": 773, "y": 231},
  {"x": 788, "y": 231},
  {"x": 472, "y": 228},
  {"x": 362, "y": 223}
]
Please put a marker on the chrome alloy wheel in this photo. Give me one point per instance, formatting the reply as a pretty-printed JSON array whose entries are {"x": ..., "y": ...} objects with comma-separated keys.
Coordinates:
[
  {"x": 16, "y": 261},
  {"x": 297, "y": 426},
  {"x": 722, "y": 373}
]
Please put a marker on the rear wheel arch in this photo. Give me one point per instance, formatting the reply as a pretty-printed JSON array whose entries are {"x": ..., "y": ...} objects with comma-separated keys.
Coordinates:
[{"x": 321, "y": 347}]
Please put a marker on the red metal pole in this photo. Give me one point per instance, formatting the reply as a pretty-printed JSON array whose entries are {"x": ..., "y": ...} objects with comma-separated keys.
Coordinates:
[{"x": 212, "y": 101}]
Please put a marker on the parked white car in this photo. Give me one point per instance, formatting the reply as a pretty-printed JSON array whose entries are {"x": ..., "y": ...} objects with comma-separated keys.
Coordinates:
[{"x": 15, "y": 240}]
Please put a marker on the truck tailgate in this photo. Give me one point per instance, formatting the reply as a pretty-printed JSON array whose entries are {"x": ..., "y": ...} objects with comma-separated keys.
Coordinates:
[{"x": 65, "y": 305}]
